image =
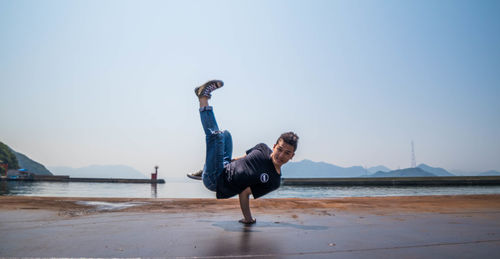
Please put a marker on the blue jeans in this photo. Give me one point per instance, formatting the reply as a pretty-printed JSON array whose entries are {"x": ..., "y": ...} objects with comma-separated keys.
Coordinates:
[{"x": 219, "y": 148}]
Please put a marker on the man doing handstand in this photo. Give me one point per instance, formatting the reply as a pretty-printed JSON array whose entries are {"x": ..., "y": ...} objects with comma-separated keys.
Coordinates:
[{"x": 258, "y": 172}]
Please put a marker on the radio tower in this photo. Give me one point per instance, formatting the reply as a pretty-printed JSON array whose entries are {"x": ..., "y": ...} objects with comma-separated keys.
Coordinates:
[{"x": 413, "y": 160}]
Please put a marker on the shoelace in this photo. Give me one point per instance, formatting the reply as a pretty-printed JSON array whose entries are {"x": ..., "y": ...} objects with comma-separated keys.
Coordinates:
[{"x": 209, "y": 89}]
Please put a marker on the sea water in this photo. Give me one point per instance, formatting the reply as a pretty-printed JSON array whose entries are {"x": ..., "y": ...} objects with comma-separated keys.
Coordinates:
[{"x": 195, "y": 189}]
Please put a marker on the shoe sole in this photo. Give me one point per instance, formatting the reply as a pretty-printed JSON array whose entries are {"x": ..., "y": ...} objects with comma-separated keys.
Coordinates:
[
  {"x": 194, "y": 177},
  {"x": 200, "y": 88}
]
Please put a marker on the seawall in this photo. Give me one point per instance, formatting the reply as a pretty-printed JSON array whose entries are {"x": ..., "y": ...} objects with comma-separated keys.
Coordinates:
[
  {"x": 395, "y": 181},
  {"x": 65, "y": 178}
]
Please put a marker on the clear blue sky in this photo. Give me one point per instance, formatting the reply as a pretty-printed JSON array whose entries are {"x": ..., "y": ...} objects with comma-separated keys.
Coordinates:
[{"x": 111, "y": 82}]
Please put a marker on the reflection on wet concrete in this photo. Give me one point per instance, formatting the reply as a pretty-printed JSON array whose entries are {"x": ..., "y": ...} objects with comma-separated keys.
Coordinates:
[
  {"x": 246, "y": 242},
  {"x": 234, "y": 226},
  {"x": 265, "y": 238}
]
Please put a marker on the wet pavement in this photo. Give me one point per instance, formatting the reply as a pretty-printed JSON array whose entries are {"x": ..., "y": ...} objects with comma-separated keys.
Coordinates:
[{"x": 31, "y": 232}]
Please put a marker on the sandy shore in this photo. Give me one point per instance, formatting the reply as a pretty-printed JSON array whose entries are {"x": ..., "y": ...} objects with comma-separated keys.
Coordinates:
[
  {"x": 376, "y": 205},
  {"x": 465, "y": 226}
]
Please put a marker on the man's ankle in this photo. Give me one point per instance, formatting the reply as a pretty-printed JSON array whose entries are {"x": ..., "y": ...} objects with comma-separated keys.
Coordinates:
[{"x": 203, "y": 101}]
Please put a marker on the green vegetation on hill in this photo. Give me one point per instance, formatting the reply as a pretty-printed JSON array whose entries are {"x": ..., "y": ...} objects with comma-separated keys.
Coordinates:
[{"x": 7, "y": 156}]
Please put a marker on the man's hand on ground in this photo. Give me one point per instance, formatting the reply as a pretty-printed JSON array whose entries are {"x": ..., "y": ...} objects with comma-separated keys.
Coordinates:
[
  {"x": 245, "y": 207},
  {"x": 248, "y": 222}
]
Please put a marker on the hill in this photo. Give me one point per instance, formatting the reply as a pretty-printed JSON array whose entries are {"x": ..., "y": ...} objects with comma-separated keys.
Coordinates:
[
  {"x": 310, "y": 169},
  {"x": 378, "y": 168},
  {"x": 31, "y": 165},
  {"x": 17, "y": 160},
  {"x": 99, "y": 171},
  {"x": 408, "y": 172},
  {"x": 435, "y": 170}
]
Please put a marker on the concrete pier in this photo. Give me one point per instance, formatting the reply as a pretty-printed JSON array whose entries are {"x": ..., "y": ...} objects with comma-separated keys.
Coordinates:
[
  {"x": 65, "y": 178},
  {"x": 395, "y": 181}
]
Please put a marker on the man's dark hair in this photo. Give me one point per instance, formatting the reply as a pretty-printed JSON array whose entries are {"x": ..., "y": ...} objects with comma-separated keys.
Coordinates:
[{"x": 290, "y": 138}]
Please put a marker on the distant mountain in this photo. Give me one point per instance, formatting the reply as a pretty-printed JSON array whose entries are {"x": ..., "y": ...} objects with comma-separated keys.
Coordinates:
[
  {"x": 99, "y": 171},
  {"x": 463, "y": 173},
  {"x": 435, "y": 170},
  {"x": 31, "y": 165},
  {"x": 308, "y": 168},
  {"x": 469, "y": 173},
  {"x": 408, "y": 172},
  {"x": 489, "y": 173},
  {"x": 378, "y": 168}
]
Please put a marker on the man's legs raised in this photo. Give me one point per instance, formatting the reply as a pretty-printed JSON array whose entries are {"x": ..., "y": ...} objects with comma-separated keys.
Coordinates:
[
  {"x": 228, "y": 147},
  {"x": 215, "y": 139},
  {"x": 216, "y": 148},
  {"x": 208, "y": 121},
  {"x": 214, "y": 160}
]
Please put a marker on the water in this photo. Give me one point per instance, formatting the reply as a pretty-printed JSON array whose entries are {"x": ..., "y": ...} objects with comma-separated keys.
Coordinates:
[{"x": 195, "y": 189}]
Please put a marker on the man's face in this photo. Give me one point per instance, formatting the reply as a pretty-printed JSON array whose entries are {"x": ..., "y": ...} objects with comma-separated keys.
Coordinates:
[{"x": 282, "y": 153}]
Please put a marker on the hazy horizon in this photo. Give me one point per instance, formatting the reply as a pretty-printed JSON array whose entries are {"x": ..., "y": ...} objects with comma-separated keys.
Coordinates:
[
  {"x": 453, "y": 171},
  {"x": 111, "y": 82}
]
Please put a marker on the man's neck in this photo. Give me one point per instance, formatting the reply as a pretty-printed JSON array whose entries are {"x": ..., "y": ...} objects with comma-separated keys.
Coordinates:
[{"x": 278, "y": 168}]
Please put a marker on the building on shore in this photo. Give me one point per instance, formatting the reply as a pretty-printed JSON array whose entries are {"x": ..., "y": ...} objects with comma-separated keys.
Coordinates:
[{"x": 19, "y": 174}]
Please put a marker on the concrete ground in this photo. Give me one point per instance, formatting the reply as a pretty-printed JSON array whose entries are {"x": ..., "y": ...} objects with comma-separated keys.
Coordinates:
[{"x": 297, "y": 228}]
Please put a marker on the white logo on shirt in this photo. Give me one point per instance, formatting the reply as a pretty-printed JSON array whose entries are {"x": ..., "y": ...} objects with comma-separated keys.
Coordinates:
[{"x": 264, "y": 178}]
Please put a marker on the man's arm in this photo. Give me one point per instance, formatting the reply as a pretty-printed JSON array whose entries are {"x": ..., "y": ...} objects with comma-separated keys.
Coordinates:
[
  {"x": 238, "y": 158},
  {"x": 245, "y": 206}
]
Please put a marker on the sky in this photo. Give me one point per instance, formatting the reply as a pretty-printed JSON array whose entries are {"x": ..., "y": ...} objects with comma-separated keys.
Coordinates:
[{"x": 111, "y": 82}]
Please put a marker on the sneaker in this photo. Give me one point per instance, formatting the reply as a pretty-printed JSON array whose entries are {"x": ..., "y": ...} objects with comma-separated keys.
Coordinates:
[
  {"x": 207, "y": 88},
  {"x": 196, "y": 176}
]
